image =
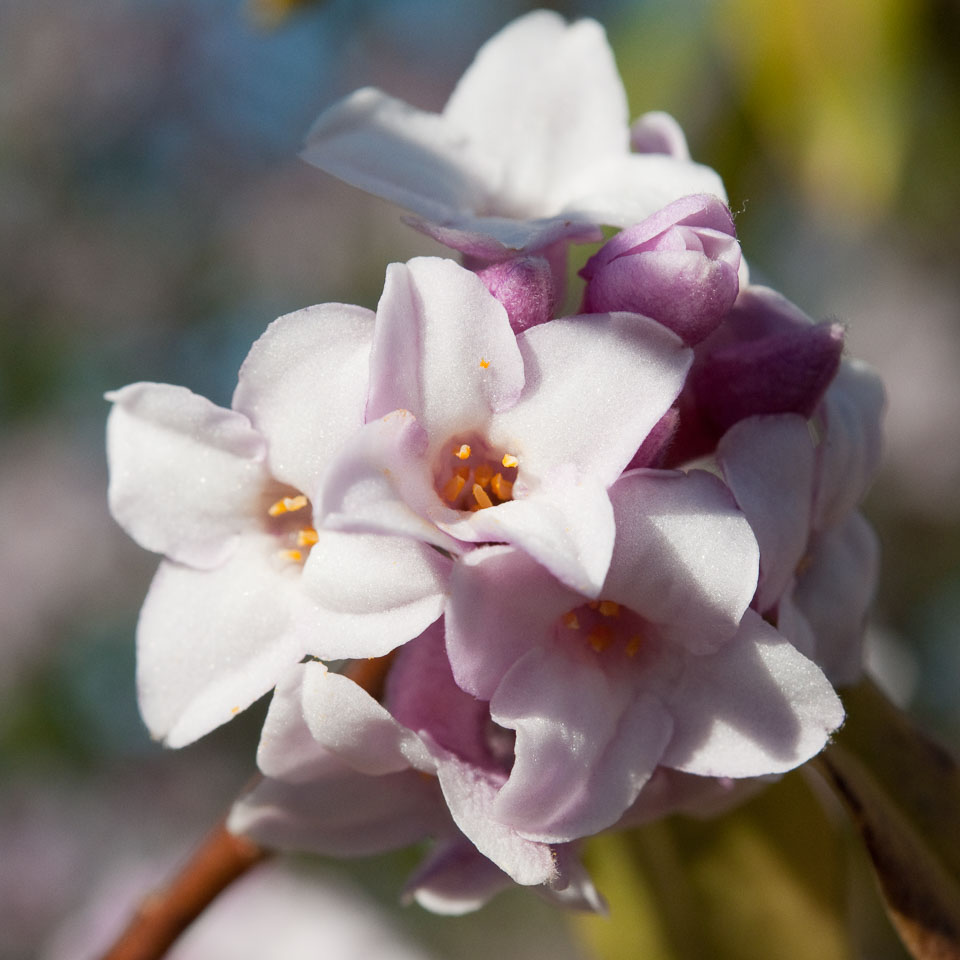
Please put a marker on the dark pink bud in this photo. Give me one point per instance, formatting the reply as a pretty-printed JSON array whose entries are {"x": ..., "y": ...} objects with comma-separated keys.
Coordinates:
[
  {"x": 678, "y": 267},
  {"x": 525, "y": 286},
  {"x": 786, "y": 372}
]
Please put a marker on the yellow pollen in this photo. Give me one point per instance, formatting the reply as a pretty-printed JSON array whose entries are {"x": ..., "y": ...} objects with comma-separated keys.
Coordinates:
[
  {"x": 480, "y": 495},
  {"x": 295, "y": 555},
  {"x": 483, "y": 475},
  {"x": 287, "y": 505},
  {"x": 608, "y": 608},
  {"x": 454, "y": 486},
  {"x": 502, "y": 488},
  {"x": 307, "y": 537},
  {"x": 600, "y": 637},
  {"x": 462, "y": 452},
  {"x": 484, "y": 363},
  {"x": 509, "y": 460},
  {"x": 633, "y": 645},
  {"x": 571, "y": 620}
]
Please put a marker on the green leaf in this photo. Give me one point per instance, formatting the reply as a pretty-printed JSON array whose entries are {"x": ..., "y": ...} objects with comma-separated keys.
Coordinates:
[
  {"x": 903, "y": 792},
  {"x": 762, "y": 881}
]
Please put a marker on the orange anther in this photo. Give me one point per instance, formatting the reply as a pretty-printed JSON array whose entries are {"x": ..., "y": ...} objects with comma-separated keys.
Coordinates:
[
  {"x": 502, "y": 488},
  {"x": 462, "y": 452},
  {"x": 633, "y": 645},
  {"x": 480, "y": 495},
  {"x": 454, "y": 487},
  {"x": 484, "y": 363},
  {"x": 600, "y": 637},
  {"x": 608, "y": 608},
  {"x": 483, "y": 475},
  {"x": 287, "y": 505},
  {"x": 509, "y": 460},
  {"x": 307, "y": 537},
  {"x": 571, "y": 620}
]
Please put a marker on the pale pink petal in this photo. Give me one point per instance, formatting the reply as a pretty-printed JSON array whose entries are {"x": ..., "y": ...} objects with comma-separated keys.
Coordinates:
[
  {"x": 585, "y": 744},
  {"x": 685, "y": 558},
  {"x": 379, "y": 591},
  {"x": 573, "y": 888},
  {"x": 623, "y": 190},
  {"x": 470, "y": 793},
  {"x": 543, "y": 98},
  {"x": 835, "y": 591},
  {"x": 794, "y": 625},
  {"x": 658, "y": 132},
  {"x": 382, "y": 483},
  {"x": 210, "y": 642},
  {"x": 443, "y": 349},
  {"x": 455, "y": 879},
  {"x": 348, "y": 722},
  {"x": 595, "y": 387},
  {"x": 768, "y": 464},
  {"x": 566, "y": 523},
  {"x": 502, "y": 602},
  {"x": 344, "y": 814},
  {"x": 754, "y": 707},
  {"x": 852, "y": 413},
  {"x": 304, "y": 386},
  {"x": 414, "y": 159},
  {"x": 186, "y": 476}
]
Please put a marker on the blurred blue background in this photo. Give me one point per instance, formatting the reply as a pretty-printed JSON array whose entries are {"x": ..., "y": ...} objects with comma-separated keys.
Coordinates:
[{"x": 154, "y": 218}]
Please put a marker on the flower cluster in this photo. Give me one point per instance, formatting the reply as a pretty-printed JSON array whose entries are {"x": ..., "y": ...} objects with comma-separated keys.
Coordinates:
[{"x": 591, "y": 568}]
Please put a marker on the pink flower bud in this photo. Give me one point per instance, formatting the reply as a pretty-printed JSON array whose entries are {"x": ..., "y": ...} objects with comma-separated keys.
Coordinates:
[{"x": 525, "y": 286}]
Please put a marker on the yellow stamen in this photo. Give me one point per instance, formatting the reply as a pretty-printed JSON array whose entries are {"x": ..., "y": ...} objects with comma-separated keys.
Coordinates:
[
  {"x": 502, "y": 488},
  {"x": 484, "y": 363},
  {"x": 462, "y": 452},
  {"x": 287, "y": 505},
  {"x": 633, "y": 645},
  {"x": 480, "y": 495},
  {"x": 295, "y": 555},
  {"x": 509, "y": 460},
  {"x": 307, "y": 537},
  {"x": 571, "y": 620},
  {"x": 608, "y": 608},
  {"x": 454, "y": 487},
  {"x": 482, "y": 475},
  {"x": 600, "y": 637}
]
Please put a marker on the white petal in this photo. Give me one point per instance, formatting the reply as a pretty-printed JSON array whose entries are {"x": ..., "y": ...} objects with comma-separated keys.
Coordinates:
[
  {"x": 348, "y": 722},
  {"x": 754, "y": 707},
  {"x": 768, "y": 463},
  {"x": 685, "y": 557},
  {"x": 304, "y": 387},
  {"x": 622, "y": 191},
  {"x": 210, "y": 642},
  {"x": 186, "y": 476},
  {"x": 443, "y": 350},
  {"x": 545, "y": 99},
  {"x": 595, "y": 386},
  {"x": 379, "y": 591},
  {"x": 414, "y": 159}
]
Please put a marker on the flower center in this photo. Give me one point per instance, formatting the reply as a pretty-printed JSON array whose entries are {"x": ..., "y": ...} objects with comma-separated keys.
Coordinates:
[
  {"x": 471, "y": 476},
  {"x": 602, "y": 625},
  {"x": 290, "y": 519}
]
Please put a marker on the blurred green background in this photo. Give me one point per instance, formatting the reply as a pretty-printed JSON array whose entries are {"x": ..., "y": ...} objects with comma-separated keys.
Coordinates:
[{"x": 154, "y": 218}]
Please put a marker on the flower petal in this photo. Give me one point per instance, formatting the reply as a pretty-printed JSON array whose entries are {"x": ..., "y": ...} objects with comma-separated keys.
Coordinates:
[
  {"x": 685, "y": 558},
  {"x": 768, "y": 464},
  {"x": 210, "y": 642},
  {"x": 595, "y": 387},
  {"x": 544, "y": 99},
  {"x": 455, "y": 879},
  {"x": 754, "y": 707},
  {"x": 417, "y": 160},
  {"x": 585, "y": 744},
  {"x": 379, "y": 591},
  {"x": 186, "y": 476},
  {"x": 304, "y": 385},
  {"x": 502, "y": 602},
  {"x": 443, "y": 349}
]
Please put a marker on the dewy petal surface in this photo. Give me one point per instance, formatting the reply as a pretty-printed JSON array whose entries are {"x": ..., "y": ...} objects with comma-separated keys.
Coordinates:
[
  {"x": 415, "y": 159},
  {"x": 186, "y": 476},
  {"x": 304, "y": 384},
  {"x": 210, "y": 642},
  {"x": 543, "y": 98},
  {"x": 768, "y": 463},
  {"x": 585, "y": 744},
  {"x": 685, "y": 557},
  {"x": 755, "y": 706},
  {"x": 443, "y": 349},
  {"x": 595, "y": 387}
]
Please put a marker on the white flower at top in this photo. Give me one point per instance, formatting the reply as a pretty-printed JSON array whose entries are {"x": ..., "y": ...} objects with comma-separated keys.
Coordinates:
[{"x": 532, "y": 148}]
